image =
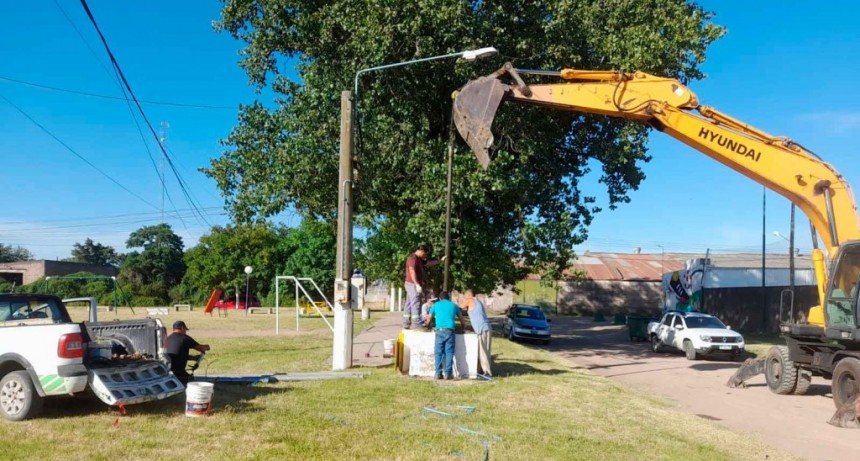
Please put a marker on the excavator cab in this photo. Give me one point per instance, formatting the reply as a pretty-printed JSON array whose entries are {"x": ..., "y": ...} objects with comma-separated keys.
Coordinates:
[{"x": 840, "y": 306}]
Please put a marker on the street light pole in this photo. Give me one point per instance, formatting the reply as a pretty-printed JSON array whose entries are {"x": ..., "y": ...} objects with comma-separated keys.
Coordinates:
[
  {"x": 248, "y": 270},
  {"x": 343, "y": 317},
  {"x": 448, "y": 208},
  {"x": 662, "y": 288}
]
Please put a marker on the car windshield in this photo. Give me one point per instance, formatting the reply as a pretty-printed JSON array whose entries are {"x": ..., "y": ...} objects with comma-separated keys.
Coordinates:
[
  {"x": 528, "y": 314},
  {"x": 704, "y": 322}
]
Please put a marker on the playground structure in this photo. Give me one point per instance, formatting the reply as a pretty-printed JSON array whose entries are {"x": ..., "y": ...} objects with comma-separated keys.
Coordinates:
[{"x": 306, "y": 304}]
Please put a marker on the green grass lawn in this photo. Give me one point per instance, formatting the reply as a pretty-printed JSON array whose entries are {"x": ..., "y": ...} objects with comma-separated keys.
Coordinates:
[{"x": 537, "y": 408}]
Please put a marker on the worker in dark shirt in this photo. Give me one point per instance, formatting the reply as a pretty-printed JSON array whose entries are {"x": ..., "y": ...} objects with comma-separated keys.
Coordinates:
[
  {"x": 415, "y": 284},
  {"x": 178, "y": 346}
]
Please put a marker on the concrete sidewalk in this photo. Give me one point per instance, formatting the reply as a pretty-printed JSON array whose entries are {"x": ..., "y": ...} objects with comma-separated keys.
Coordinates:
[{"x": 367, "y": 346}]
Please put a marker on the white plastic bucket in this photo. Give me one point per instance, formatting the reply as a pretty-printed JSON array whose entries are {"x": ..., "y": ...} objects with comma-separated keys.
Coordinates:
[
  {"x": 388, "y": 348},
  {"x": 198, "y": 398}
]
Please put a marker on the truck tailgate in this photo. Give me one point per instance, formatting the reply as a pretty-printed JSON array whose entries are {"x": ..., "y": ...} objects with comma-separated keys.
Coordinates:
[{"x": 134, "y": 383}]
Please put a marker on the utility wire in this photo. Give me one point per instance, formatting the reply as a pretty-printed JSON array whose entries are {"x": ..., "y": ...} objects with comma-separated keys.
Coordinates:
[
  {"x": 148, "y": 151},
  {"x": 117, "y": 216},
  {"x": 86, "y": 43},
  {"x": 49, "y": 133},
  {"x": 114, "y": 76},
  {"x": 116, "y": 65},
  {"x": 34, "y": 230},
  {"x": 113, "y": 98}
]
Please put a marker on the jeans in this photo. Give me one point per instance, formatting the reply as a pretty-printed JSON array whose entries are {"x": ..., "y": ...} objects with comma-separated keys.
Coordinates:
[{"x": 445, "y": 351}]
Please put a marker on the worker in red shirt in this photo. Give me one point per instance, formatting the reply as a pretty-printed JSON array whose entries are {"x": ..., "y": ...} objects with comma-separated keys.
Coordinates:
[{"x": 416, "y": 270}]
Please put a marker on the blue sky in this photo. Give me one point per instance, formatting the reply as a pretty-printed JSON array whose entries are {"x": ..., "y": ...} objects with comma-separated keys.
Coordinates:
[{"x": 786, "y": 67}]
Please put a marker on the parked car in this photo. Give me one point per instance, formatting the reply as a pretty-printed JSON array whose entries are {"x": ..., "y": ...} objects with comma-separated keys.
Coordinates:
[
  {"x": 229, "y": 302},
  {"x": 526, "y": 322},
  {"x": 695, "y": 334}
]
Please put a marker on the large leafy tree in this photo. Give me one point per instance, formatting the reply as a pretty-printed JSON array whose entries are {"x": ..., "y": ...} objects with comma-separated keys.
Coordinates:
[
  {"x": 528, "y": 209},
  {"x": 9, "y": 253},
  {"x": 159, "y": 264},
  {"x": 94, "y": 253},
  {"x": 220, "y": 257},
  {"x": 312, "y": 252}
]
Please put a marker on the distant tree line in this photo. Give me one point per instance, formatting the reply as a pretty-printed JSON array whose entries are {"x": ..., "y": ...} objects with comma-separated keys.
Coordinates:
[{"x": 158, "y": 270}]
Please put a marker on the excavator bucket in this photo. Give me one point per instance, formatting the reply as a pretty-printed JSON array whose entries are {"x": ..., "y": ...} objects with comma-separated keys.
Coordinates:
[
  {"x": 747, "y": 370},
  {"x": 474, "y": 110}
]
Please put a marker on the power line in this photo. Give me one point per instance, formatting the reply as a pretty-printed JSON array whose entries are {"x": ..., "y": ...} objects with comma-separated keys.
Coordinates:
[
  {"x": 115, "y": 77},
  {"x": 182, "y": 185},
  {"x": 83, "y": 39},
  {"x": 124, "y": 215},
  {"x": 113, "y": 98},
  {"x": 52, "y": 229},
  {"x": 49, "y": 133}
]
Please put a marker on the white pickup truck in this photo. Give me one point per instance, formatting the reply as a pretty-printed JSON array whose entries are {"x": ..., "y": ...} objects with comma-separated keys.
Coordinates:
[
  {"x": 43, "y": 353},
  {"x": 695, "y": 334}
]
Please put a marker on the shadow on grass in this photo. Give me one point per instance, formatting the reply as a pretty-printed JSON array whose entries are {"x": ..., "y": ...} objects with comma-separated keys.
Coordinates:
[
  {"x": 236, "y": 398},
  {"x": 508, "y": 368}
]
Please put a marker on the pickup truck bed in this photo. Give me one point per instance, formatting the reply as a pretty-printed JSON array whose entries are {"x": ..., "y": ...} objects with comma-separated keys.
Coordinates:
[
  {"x": 44, "y": 353},
  {"x": 129, "y": 380}
]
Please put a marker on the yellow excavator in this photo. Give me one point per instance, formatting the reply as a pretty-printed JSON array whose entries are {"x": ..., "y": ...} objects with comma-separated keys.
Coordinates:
[{"x": 827, "y": 342}]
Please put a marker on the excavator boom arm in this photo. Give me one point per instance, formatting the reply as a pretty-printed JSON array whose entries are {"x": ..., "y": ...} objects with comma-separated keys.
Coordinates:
[{"x": 667, "y": 105}]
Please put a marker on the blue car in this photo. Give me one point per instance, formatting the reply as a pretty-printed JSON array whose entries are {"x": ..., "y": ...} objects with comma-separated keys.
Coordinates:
[{"x": 526, "y": 322}]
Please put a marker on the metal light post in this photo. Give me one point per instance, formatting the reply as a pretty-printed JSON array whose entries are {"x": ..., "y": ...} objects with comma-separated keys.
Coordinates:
[
  {"x": 764, "y": 310},
  {"x": 248, "y": 270},
  {"x": 662, "y": 288},
  {"x": 343, "y": 317},
  {"x": 777, "y": 234}
]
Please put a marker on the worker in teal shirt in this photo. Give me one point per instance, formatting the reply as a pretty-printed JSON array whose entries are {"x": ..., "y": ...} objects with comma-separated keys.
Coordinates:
[{"x": 445, "y": 313}]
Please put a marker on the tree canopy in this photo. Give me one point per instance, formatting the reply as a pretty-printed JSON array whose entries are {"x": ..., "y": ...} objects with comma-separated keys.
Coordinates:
[
  {"x": 219, "y": 259},
  {"x": 9, "y": 253},
  {"x": 159, "y": 266},
  {"x": 528, "y": 210},
  {"x": 94, "y": 253}
]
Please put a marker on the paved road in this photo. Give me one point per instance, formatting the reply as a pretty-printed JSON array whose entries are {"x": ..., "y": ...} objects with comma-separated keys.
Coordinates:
[{"x": 798, "y": 424}]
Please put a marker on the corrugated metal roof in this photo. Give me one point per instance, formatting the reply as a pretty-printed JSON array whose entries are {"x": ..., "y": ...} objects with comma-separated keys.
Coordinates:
[{"x": 650, "y": 266}]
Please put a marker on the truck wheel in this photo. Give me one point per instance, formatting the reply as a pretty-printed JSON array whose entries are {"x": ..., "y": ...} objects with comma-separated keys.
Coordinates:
[
  {"x": 779, "y": 371},
  {"x": 846, "y": 380},
  {"x": 804, "y": 380},
  {"x": 690, "y": 350},
  {"x": 18, "y": 397},
  {"x": 656, "y": 344}
]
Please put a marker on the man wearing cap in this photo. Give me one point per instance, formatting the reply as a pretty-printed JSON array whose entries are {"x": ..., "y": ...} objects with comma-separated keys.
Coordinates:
[{"x": 178, "y": 346}]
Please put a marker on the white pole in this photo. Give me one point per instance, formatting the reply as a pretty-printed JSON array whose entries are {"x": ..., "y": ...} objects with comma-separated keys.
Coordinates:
[
  {"x": 400, "y": 299},
  {"x": 391, "y": 300},
  {"x": 277, "y": 308},
  {"x": 297, "y": 303},
  {"x": 343, "y": 319}
]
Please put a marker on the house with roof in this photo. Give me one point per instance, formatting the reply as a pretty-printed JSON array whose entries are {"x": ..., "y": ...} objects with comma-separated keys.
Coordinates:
[{"x": 726, "y": 285}]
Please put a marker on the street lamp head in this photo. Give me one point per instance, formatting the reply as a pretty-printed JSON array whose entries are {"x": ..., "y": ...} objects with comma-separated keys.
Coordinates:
[
  {"x": 776, "y": 233},
  {"x": 248, "y": 270},
  {"x": 472, "y": 55}
]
